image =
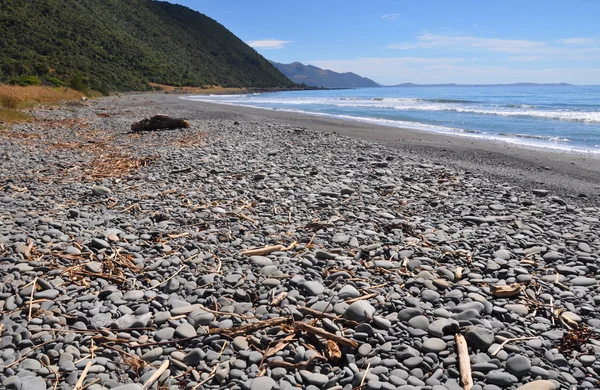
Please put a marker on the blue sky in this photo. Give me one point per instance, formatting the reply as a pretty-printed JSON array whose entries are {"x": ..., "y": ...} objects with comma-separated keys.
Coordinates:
[{"x": 426, "y": 41}]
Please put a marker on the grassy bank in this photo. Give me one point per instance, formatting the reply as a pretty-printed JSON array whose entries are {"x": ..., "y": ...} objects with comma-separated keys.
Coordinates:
[{"x": 13, "y": 99}]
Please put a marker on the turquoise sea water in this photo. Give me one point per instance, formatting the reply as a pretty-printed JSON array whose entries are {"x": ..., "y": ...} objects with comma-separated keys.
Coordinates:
[{"x": 557, "y": 117}]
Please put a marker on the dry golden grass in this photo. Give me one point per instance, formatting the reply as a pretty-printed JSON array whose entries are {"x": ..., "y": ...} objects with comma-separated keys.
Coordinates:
[
  {"x": 10, "y": 115},
  {"x": 14, "y": 96},
  {"x": 208, "y": 89}
]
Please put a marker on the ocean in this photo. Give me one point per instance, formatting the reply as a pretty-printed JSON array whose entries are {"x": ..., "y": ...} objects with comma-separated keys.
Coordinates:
[{"x": 559, "y": 117}]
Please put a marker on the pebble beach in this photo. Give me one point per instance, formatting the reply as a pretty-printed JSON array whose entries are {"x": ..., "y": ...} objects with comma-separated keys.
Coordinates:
[{"x": 262, "y": 250}]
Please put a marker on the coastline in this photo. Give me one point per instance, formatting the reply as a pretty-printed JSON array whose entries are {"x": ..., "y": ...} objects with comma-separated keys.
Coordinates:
[
  {"x": 572, "y": 174},
  {"x": 194, "y": 245}
]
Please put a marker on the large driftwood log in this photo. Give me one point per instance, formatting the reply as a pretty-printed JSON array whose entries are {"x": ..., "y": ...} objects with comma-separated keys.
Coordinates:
[{"x": 159, "y": 122}]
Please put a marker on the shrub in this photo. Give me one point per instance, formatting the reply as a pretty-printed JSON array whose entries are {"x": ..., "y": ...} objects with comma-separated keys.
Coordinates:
[
  {"x": 25, "y": 81},
  {"x": 55, "y": 82},
  {"x": 9, "y": 101},
  {"x": 78, "y": 82}
]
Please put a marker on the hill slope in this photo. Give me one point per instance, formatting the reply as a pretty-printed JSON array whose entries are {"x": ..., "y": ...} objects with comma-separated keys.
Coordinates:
[
  {"x": 317, "y": 77},
  {"x": 125, "y": 44}
]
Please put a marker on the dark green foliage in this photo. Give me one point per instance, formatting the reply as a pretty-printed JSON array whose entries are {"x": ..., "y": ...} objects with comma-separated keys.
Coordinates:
[
  {"x": 54, "y": 82},
  {"x": 27, "y": 80},
  {"x": 124, "y": 45}
]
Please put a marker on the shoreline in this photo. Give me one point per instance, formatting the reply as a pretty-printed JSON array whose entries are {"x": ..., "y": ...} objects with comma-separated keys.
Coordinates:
[
  {"x": 569, "y": 174},
  {"x": 207, "y": 246},
  {"x": 463, "y": 133}
]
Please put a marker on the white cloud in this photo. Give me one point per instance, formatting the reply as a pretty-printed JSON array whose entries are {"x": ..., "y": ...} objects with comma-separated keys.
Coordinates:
[
  {"x": 525, "y": 58},
  {"x": 390, "y": 71},
  {"x": 268, "y": 44},
  {"x": 428, "y": 41},
  {"x": 391, "y": 16},
  {"x": 578, "y": 41}
]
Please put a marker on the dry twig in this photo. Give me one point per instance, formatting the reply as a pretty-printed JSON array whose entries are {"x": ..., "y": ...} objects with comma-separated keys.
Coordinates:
[
  {"x": 304, "y": 327},
  {"x": 508, "y": 341}
]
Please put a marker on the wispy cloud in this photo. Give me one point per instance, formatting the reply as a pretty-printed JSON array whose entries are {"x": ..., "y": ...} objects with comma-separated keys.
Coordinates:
[
  {"x": 268, "y": 44},
  {"x": 428, "y": 41},
  {"x": 525, "y": 58},
  {"x": 391, "y": 16},
  {"x": 578, "y": 41},
  {"x": 458, "y": 70}
]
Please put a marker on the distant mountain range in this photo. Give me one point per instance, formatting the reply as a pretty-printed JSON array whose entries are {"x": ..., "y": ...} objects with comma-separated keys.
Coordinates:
[{"x": 317, "y": 77}]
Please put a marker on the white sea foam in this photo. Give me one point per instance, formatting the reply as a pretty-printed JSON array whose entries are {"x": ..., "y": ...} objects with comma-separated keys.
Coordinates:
[
  {"x": 559, "y": 144},
  {"x": 414, "y": 104}
]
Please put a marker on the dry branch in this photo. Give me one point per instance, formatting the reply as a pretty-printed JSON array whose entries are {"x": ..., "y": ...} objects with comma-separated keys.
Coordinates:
[
  {"x": 244, "y": 329},
  {"x": 464, "y": 362},
  {"x": 262, "y": 251},
  {"x": 302, "y": 326},
  {"x": 159, "y": 122},
  {"x": 508, "y": 341},
  {"x": 283, "y": 363}
]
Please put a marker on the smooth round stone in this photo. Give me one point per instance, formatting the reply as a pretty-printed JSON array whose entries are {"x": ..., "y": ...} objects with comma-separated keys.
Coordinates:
[
  {"x": 434, "y": 345},
  {"x": 583, "y": 281},
  {"x": 194, "y": 356},
  {"x": 314, "y": 378},
  {"x": 360, "y": 311},
  {"x": 240, "y": 343},
  {"x": 382, "y": 323},
  {"x": 419, "y": 322},
  {"x": 406, "y": 314},
  {"x": 94, "y": 266},
  {"x": 185, "y": 330},
  {"x": 133, "y": 295},
  {"x": 538, "y": 385},
  {"x": 164, "y": 334},
  {"x": 430, "y": 296},
  {"x": 99, "y": 243},
  {"x": 153, "y": 354},
  {"x": 255, "y": 357},
  {"x": 348, "y": 292},
  {"x": 437, "y": 328},
  {"x": 101, "y": 191},
  {"x": 479, "y": 337},
  {"x": 32, "y": 383},
  {"x": 261, "y": 260},
  {"x": 521, "y": 310},
  {"x": 587, "y": 360},
  {"x": 501, "y": 378},
  {"x": 365, "y": 349},
  {"x": 518, "y": 365},
  {"x": 502, "y": 254},
  {"x": 263, "y": 383},
  {"x": 313, "y": 288}
]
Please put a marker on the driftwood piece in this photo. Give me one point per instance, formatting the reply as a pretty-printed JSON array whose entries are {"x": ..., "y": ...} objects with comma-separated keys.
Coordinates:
[
  {"x": 262, "y": 251},
  {"x": 304, "y": 327},
  {"x": 464, "y": 362},
  {"x": 159, "y": 122},
  {"x": 332, "y": 351},
  {"x": 156, "y": 375},
  {"x": 245, "y": 329},
  {"x": 504, "y": 291}
]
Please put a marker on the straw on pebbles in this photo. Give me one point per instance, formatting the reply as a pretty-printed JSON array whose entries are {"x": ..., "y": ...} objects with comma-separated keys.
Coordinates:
[{"x": 260, "y": 256}]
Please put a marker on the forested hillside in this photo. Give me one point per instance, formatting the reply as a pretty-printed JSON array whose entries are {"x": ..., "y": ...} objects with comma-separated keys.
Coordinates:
[{"x": 124, "y": 45}]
